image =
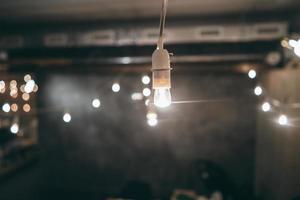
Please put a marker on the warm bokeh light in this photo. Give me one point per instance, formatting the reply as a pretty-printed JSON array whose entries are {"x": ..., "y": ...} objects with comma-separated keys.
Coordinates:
[
  {"x": 14, "y": 128},
  {"x": 252, "y": 74},
  {"x": 67, "y": 117},
  {"x": 283, "y": 120},
  {"x": 29, "y": 86},
  {"x": 13, "y": 83},
  {"x": 146, "y": 92},
  {"x": 146, "y": 80},
  {"x": 6, "y": 107},
  {"x": 96, "y": 103},
  {"x": 25, "y": 96},
  {"x": 266, "y": 107},
  {"x": 22, "y": 88},
  {"x": 258, "y": 91},
  {"x": 27, "y": 78},
  {"x": 14, "y": 92},
  {"x": 116, "y": 87},
  {"x": 152, "y": 122},
  {"x": 26, "y": 107},
  {"x": 35, "y": 88},
  {"x": 2, "y": 86},
  {"x": 14, "y": 107}
]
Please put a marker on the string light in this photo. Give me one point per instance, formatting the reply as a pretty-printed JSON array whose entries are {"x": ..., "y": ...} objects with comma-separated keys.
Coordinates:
[
  {"x": 146, "y": 80},
  {"x": 252, "y": 74},
  {"x": 6, "y": 107},
  {"x": 146, "y": 92},
  {"x": 283, "y": 120},
  {"x": 116, "y": 87},
  {"x": 152, "y": 122},
  {"x": 67, "y": 117},
  {"x": 266, "y": 107},
  {"x": 136, "y": 96},
  {"x": 151, "y": 115},
  {"x": 14, "y": 128},
  {"x": 96, "y": 103},
  {"x": 258, "y": 91}
]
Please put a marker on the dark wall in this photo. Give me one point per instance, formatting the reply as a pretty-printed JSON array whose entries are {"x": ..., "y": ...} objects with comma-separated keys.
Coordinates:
[
  {"x": 277, "y": 150},
  {"x": 101, "y": 149}
]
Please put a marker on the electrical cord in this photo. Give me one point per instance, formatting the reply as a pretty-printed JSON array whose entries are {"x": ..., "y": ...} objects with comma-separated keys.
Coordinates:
[{"x": 162, "y": 22}]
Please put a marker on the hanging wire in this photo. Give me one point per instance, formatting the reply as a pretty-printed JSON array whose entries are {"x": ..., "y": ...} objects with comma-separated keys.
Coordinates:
[{"x": 163, "y": 18}]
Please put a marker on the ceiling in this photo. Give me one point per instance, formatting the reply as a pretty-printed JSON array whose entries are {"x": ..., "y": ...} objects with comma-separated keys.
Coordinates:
[{"x": 72, "y": 10}]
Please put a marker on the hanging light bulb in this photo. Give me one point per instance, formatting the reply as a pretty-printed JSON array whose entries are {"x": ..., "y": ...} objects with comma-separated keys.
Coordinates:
[
  {"x": 162, "y": 97},
  {"x": 161, "y": 70}
]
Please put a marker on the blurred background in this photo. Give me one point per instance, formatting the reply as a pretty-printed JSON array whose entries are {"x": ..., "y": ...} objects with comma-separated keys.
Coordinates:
[{"x": 76, "y": 118}]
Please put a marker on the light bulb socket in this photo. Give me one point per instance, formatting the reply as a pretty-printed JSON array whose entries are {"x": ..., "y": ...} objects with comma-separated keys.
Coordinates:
[{"x": 161, "y": 70}]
